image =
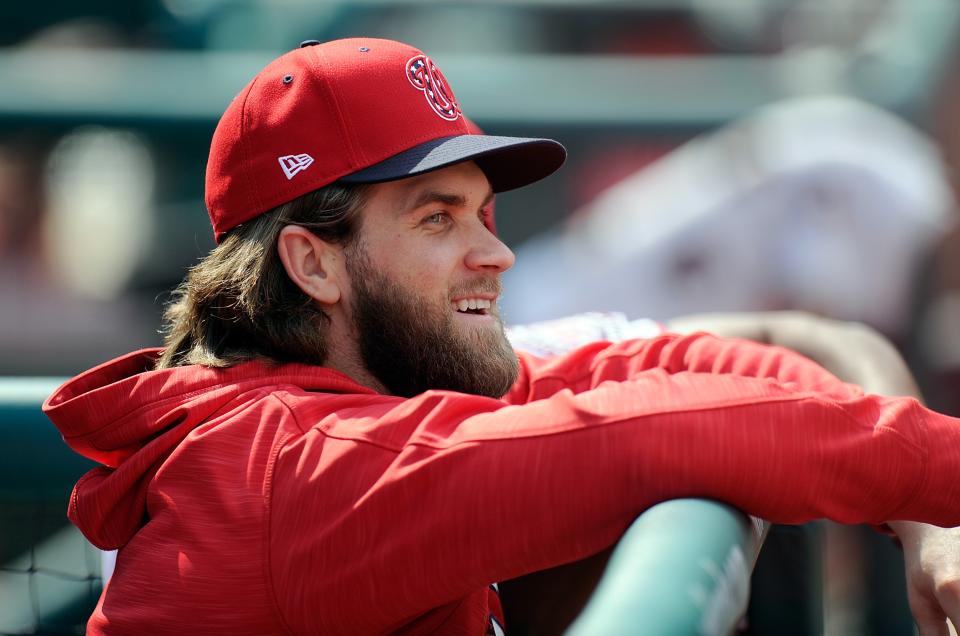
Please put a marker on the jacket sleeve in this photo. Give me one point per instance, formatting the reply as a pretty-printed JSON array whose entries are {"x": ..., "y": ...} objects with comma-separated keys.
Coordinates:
[
  {"x": 379, "y": 514},
  {"x": 590, "y": 365}
]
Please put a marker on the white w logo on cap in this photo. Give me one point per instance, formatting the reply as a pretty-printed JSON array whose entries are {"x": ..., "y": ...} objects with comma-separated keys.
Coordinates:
[{"x": 292, "y": 164}]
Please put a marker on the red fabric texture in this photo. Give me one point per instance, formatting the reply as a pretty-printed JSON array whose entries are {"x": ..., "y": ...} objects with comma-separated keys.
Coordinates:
[{"x": 288, "y": 499}]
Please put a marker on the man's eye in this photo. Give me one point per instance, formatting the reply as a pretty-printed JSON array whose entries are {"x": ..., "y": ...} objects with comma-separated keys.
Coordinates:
[{"x": 435, "y": 219}]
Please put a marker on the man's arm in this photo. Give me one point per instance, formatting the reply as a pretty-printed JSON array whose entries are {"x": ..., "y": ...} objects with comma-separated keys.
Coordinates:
[
  {"x": 471, "y": 492},
  {"x": 856, "y": 353}
]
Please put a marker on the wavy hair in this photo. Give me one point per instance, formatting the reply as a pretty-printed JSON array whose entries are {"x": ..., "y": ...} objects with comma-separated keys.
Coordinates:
[{"x": 238, "y": 304}]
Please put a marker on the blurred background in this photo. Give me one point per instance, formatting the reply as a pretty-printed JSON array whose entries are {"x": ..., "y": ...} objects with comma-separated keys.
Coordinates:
[{"x": 724, "y": 155}]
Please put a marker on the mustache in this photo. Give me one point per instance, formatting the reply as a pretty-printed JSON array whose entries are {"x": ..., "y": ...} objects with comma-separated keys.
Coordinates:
[{"x": 485, "y": 285}]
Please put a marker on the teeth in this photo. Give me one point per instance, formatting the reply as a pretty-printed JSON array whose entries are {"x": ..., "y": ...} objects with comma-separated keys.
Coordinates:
[{"x": 472, "y": 303}]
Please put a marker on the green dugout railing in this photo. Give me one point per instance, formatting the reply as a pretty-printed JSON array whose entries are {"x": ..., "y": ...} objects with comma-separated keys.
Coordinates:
[{"x": 683, "y": 567}]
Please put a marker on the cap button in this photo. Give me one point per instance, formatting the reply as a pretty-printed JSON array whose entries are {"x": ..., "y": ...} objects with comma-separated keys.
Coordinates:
[{"x": 307, "y": 43}]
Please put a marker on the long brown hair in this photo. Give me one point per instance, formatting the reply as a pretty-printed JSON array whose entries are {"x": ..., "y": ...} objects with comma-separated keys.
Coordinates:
[{"x": 238, "y": 303}]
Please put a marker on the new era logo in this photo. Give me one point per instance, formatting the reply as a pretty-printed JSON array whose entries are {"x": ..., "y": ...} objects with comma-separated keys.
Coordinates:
[{"x": 292, "y": 164}]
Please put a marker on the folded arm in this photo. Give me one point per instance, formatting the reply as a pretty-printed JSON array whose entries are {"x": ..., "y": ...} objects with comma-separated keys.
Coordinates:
[
  {"x": 858, "y": 354},
  {"x": 449, "y": 493}
]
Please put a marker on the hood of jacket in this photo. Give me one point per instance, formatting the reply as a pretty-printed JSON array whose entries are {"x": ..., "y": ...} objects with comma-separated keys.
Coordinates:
[{"x": 129, "y": 417}]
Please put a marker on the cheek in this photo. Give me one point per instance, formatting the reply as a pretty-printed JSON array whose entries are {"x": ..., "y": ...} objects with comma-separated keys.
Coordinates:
[
  {"x": 424, "y": 268},
  {"x": 424, "y": 281}
]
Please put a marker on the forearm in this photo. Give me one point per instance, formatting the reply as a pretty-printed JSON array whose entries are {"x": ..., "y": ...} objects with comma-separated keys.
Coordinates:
[
  {"x": 932, "y": 564},
  {"x": 851, "y": 351}
]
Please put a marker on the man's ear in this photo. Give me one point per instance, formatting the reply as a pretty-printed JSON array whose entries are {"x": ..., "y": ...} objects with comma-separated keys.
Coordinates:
[{"x": 314, "y": 265}]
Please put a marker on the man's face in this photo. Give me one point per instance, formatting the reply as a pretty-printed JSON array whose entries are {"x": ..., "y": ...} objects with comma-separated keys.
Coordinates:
[{"x": 425, "y": 278}]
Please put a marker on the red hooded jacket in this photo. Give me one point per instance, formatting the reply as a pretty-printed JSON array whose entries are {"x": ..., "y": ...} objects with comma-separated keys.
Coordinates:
[{"x": 289, "y": 499}]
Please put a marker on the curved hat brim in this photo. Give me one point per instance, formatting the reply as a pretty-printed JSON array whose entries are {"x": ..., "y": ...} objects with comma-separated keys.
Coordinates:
[{"x": 508, "y": 162}]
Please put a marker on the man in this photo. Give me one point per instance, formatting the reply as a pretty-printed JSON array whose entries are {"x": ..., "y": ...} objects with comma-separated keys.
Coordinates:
[{"x": 337, "y": 437}]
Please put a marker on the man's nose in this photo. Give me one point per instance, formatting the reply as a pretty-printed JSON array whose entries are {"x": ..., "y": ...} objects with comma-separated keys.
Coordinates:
[{"x": 489, "y": 253}]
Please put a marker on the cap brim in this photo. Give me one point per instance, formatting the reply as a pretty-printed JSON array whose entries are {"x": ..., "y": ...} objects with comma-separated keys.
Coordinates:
[{"x": 508, "y": 162}]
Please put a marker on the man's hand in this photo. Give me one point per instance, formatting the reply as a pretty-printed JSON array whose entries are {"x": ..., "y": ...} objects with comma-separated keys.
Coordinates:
[{"x": 932, "y": 559}]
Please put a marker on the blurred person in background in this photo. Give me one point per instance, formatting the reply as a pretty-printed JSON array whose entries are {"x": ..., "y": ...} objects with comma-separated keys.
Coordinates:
[
  {"x": 20, "y": 202},
  {"x": 827, "y": 205},
  {"x": 78, "y": 214},
  {"x": 935, "y": 341},
  {"x": 73, "y": 228}
]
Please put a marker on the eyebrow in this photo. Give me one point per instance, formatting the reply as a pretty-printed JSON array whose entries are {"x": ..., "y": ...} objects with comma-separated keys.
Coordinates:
[{"x": 452, "y": 199}]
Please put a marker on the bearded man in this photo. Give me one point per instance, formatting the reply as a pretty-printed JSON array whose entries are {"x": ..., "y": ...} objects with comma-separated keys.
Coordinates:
[{"x": 337, "y": 438}]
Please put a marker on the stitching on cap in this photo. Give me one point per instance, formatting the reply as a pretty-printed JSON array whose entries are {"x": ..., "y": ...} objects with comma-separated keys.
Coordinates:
[
  {"x": 331, "y": 97},
  {"x": 244, "y": 146}
]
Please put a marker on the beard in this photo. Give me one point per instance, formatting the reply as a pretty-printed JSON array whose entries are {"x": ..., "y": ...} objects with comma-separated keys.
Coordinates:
[{"x": 412, "y": 344}]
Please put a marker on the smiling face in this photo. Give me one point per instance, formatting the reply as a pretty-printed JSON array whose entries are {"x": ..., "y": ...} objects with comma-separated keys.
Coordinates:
[{"x": 424, "y": 278}]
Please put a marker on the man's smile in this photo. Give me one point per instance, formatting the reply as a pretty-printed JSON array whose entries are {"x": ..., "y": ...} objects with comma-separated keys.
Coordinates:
[{"x": 473, "y": 305}]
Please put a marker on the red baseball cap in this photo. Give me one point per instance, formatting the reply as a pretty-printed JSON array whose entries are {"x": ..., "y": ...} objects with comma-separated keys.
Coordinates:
[{"x": 359, "y": 110}]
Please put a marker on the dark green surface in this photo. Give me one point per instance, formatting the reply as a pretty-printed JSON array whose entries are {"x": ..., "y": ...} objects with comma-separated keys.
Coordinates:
[
  {"x": 49, "y": 575},
  {"x": 38, "y": 465},
  {"x": 786, "y": 591}
]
